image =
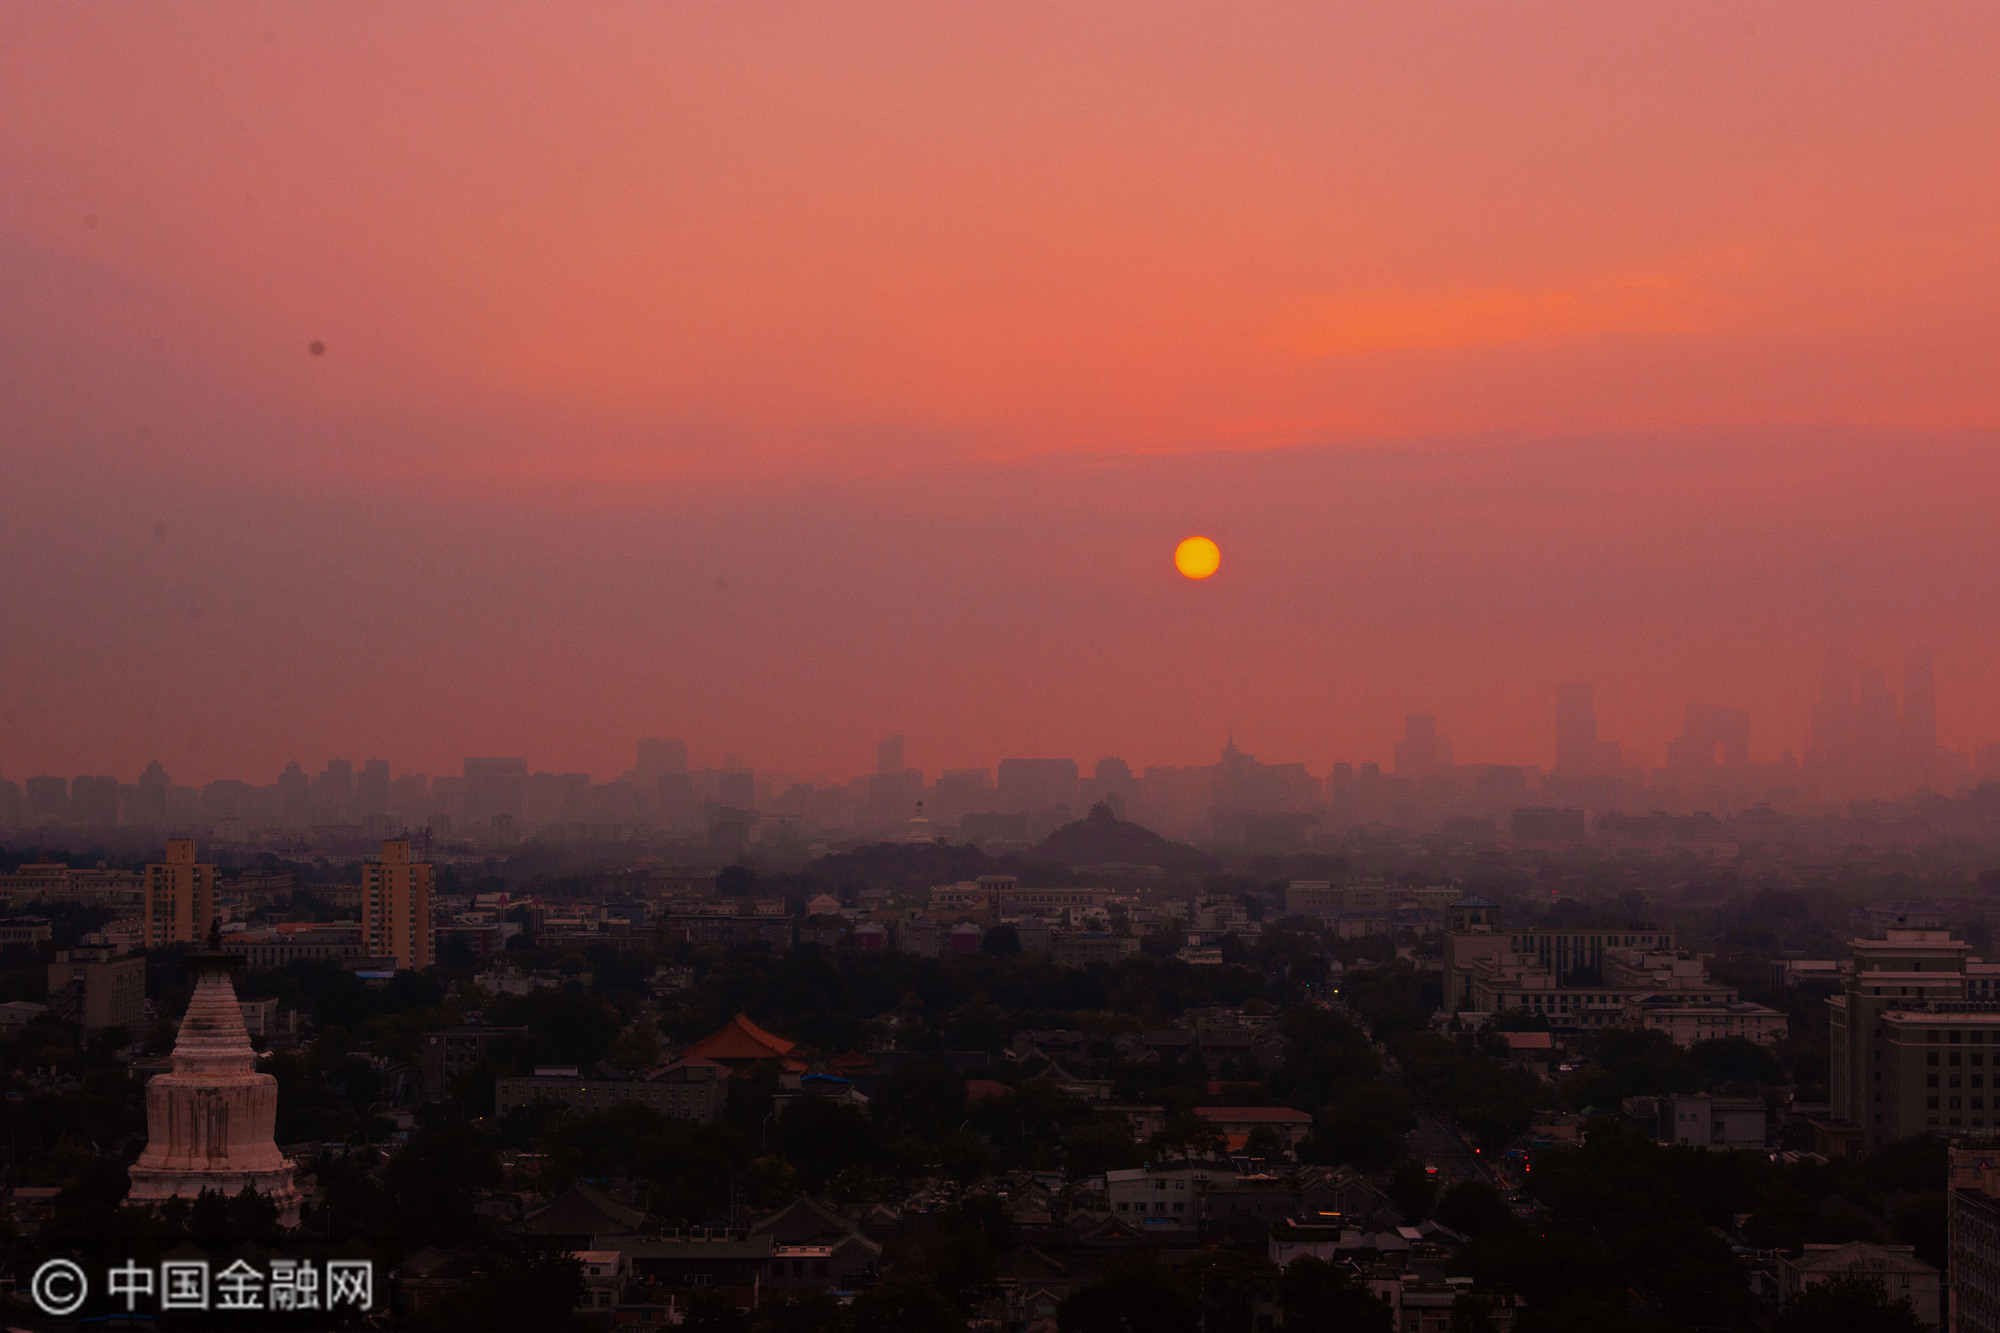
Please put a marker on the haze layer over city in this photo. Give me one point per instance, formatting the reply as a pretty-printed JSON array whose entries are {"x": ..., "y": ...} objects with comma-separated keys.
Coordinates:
[{"x": 1048, "y": 668}]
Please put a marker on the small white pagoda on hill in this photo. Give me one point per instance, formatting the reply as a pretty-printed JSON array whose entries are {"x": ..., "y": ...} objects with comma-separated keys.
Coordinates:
[{"x": 210, "y": 1121}]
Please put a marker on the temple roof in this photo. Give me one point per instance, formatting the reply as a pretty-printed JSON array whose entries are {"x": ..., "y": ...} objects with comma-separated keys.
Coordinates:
[
  {"x": 740, "y": 1039},
  {"x": 583, "y": 1211}
]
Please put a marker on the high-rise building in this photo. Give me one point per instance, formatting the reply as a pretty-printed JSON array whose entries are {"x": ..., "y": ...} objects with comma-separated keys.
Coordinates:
[
  {"x": 1865, "y": 742},
  {"x": 48, "y": 799},
  {"x": 149, "y": 795},
  {"x": 93, "y": 800},
  {"x": 1920, "y": 703},
  {"x": 371, "y": 788},
  {"x": 889, "y": 756},
  {"x": 180, "y": 897},
  {"x": 396, "y": 907},
  {"x": 1422, "y": 752},
  {"x": 494, "y": 787},
  {"x": 1579, "y": 754},
  {"x": 1914, "y": 1040},
  {"x": 336, "y": 791},
  {"x": 294, "y": 796},
  {"x": 1036, "y": 786},
  {"x": 736, "y": 790},
  {"x": 657, "y": 758}
]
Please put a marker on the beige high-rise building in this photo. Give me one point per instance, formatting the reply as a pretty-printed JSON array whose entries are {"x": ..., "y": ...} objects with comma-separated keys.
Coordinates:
[
  {"x": 396, "y": 906},
  {"x": 180, "y": 897}
]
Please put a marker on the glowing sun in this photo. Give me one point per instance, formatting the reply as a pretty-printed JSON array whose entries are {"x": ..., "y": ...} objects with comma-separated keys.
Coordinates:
[{"x": 1197, "y": 557}]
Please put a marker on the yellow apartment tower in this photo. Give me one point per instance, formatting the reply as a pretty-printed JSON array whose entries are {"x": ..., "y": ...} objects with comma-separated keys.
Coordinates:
[
  {"x": 180, "y": 897},
  {"x": 396, "y": 906}
]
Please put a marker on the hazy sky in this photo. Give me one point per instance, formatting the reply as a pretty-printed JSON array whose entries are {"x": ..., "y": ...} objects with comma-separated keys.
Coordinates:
[{"x": 782, "y": 376}]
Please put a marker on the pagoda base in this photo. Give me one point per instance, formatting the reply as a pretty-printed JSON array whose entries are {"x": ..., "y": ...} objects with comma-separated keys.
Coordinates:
[{"x": 154, "y": 1186}]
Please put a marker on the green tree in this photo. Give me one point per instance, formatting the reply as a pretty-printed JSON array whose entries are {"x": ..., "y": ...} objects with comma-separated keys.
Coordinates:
[
  {"x": 1848, "y": 1304},
  {"x": 1474, "y": 1208},
  {"x": 1138, "y": 1299},
  {"x": 1321, "y": 1297},
  {"x": 906, "y": 1303},
  {"x": 709, "y": 1312},
  {"x": 1472, "y": 1314},
  {"x": 1414, "y": 1189},
  {"x": 822, "y": 1137}
]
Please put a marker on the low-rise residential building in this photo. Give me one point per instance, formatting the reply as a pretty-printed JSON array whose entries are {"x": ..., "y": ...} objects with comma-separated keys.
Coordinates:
[
  {"x": 695, "y": 1089},
  {"x": 1702, "y": 1120},
  {"x": 98, "y": 988},
  {"x": 1689, "y": 1019},
  {"x": 1237, "y": 1123},
  {"x": 1972, "y": 1247},
  {"x": 276, "y": 946},
  {"x": 24, "y": 931},
  {"x": 449, "y": 1052},
  {"x": 1902, "y": 1275}
]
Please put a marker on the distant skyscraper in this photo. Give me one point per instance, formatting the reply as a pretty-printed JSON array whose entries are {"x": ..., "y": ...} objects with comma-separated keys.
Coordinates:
[
  {"x": 149, "y": 796},
  {"x": 294, "y": 795},
  {"x": 93, "y": 800},
  {"x": 737, "y": 791},
  {"x": 659, "y": 757},
  {"x": 180, "y": 897},
  {"x": 1037, "y": 786},
  {"x": 494, "y": 787},
  {"x": 48, "y": 799},
  {"x": 1711, "y": 738},
  {"x": 335, "y": 796},
  {"x": 396, "y": 907},
  {"x": 1579, "y": 754},
  {"x": 371, "y": 788},
  {"x": 1421, "y": 752},
  {"x": 894, "y": 789},
  {"x": 1864, "y": 741},
  {"x": 1919, "y": 702}
]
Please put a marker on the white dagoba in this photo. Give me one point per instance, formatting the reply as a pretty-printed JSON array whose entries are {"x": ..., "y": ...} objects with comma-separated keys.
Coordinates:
[{"x": 209, "y": 1122}]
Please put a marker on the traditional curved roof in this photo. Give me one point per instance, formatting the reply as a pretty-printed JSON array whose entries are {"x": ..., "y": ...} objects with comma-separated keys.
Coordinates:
[
  {"x": 741, "y": 1039},
  {"x": 1473, "y": 900}
]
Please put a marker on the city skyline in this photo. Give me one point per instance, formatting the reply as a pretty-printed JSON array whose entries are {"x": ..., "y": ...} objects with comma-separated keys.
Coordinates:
[
  {"x": 1863, "y": 735},
  {"x": 790, "y": 416}
]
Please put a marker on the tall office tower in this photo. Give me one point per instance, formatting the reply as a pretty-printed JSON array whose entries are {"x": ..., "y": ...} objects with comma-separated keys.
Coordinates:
[
  {"x": 1579, "y": 754},
  {"x": 93, "y": 800},
  {"x": 494, "y": 787},
  {"x": 1919, "y": 716},
  {"x": 149, "y": 796},
  {"x": 889, "y": 756},
  {"x": 294, "y": 796},
  {"x": 371, "y": 788},
  {"x": 1421, "y": 752},
  {"x": 180, "y": 897},
  {"x": 737, "y": 790},
  {"x": 657, "y": 758},
  {"x": 396, "y": 907},
  {"x": 48, "y": 799},
  {"x": 336, "y": 791},
  {"x": 1037, "y": 786}
]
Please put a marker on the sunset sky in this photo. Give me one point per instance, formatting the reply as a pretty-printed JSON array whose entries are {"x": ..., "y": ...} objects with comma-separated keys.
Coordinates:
[{"x": 780, "y": 377}]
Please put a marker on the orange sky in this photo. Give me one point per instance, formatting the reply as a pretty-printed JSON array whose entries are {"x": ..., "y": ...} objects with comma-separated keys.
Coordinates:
[{"x": 1497, "y": 344}]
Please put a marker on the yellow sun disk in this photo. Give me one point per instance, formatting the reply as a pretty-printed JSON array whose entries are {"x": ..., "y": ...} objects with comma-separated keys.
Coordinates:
[{"x": 1197, "y": 557}]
